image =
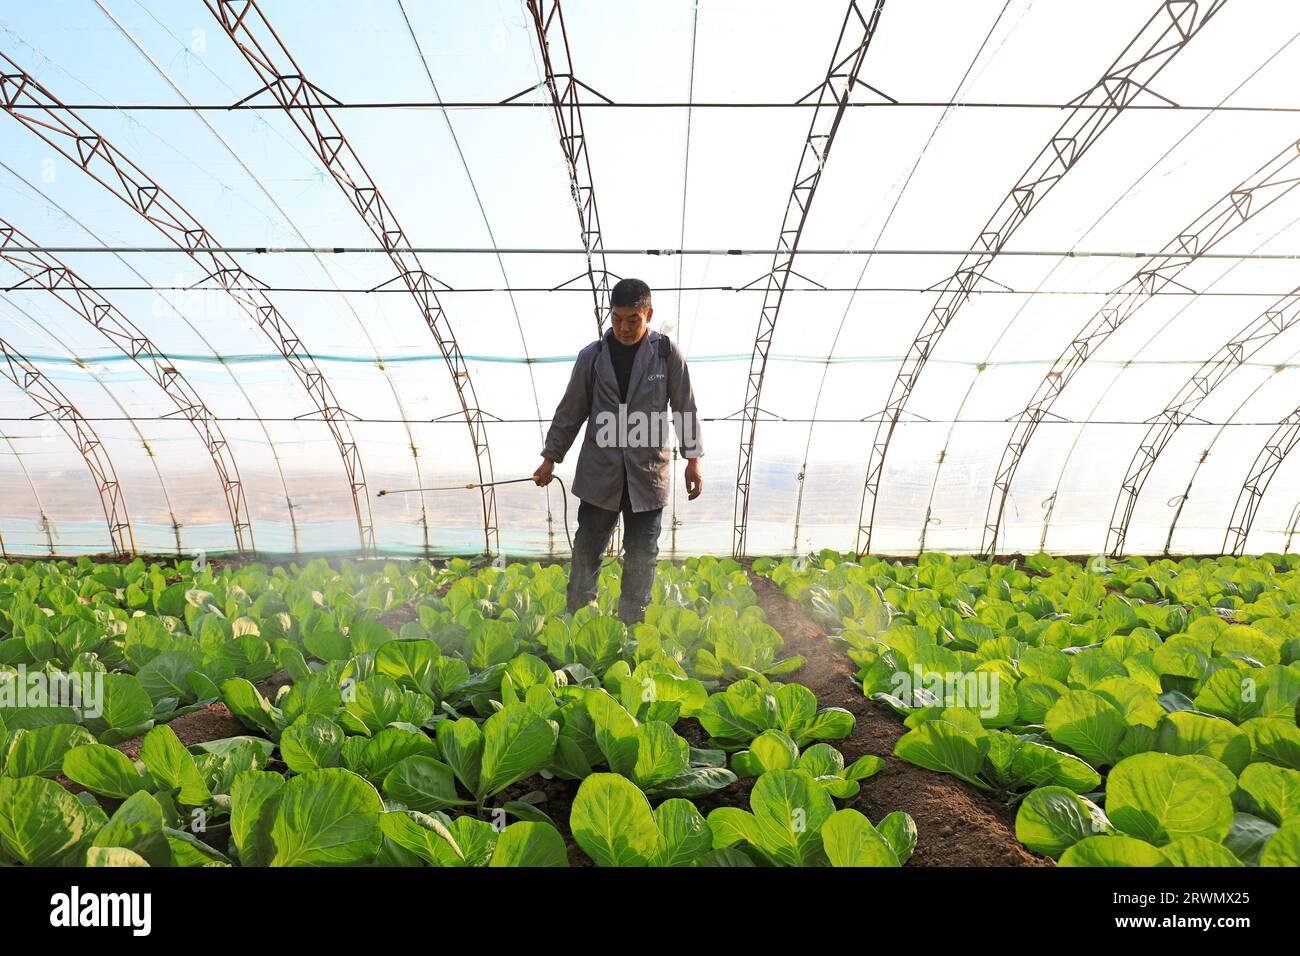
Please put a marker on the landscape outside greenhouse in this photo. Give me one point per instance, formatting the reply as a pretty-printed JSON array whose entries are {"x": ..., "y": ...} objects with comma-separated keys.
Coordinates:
[{"x": 662, "y": 436}]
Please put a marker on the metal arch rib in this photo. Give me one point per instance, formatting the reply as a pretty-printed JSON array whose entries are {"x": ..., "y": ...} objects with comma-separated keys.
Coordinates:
[
  {"x": 564, "y": 90},
  {"x": 1272, "y": 322},
  {"x": 46, "y": 272},
  {"x": 131, "y": 421},
  {"x": 832, "y": 97},
  {"x": 181, "y": 317},
  {"x": 66, "y": 132},
  {"x": 304, "y": 104},
  {"x": 1239, "y": 205},
  {"x": 1161, "y": 38},
  {"x": 289, "y": 220},
  {"x": 56, "y": 406},
  {"x": 1270, "y": 458}
]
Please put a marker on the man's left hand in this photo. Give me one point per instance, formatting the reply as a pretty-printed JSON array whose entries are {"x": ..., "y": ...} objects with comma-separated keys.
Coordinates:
[{"x": 694, "y": 480}]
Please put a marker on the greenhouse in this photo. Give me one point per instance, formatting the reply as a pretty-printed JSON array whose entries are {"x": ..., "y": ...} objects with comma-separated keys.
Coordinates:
[{"x": 686, "y": 434}]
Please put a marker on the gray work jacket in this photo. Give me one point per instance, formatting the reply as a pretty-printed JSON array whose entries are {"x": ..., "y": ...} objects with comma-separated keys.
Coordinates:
[{"x": 636, "y": 437}]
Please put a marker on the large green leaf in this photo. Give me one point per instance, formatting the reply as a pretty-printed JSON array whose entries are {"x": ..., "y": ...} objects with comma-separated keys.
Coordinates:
[
  {"x": 137, "y": 825},
  {"x": 1089, "y": 725},
  {"x": 173, "y": 767},
  {"x": 1270, "y": 792},
  {"x": 127, "y": 710},
  {"x": 661, "y": 755},
  {"x": 1198, "y": 851},
  {"x": 1275, "y": 740},
  {"x": 900, "y": 830},
  {"x": 117, "y": 856},
  {"x": 1186, "y": 733},
  {"x": 326, "y": 818},
  {"x": 246, "y": 703},
  {"x": 461, "y": 744},
  {"x": 850, "y": 840},
  {"x": 104, "y": 770},
  {"x": 516, "y": 744},
  {"x": 374, "y": 758},
  {"x": 599, "y": 642},
  {"x": 1118, "y": 850},
  {"x": 1050, "y": 820},
  {"x": 41, "y": 824},
  {"x": 425, "y": 835},
  {"x": 40, "y": 752},
  {"x": 311, "y": 743},
  {"x": 1247, "y": 837},
  {"x": 1283, "y": 848},
  {"x": 614, "y": 730},
  {"x": 611, "y": 820},
  {"x": 1160, "y": 797},
  {"x": 254, "y": 800},
  {"x": 770, "y": 750},
  {"x": 684, "y": 835},
  {"x": 942, "y": 746},
  {"x": 528, "y": 843},
  {"x": 790, "y": 809},
  {"x": 422, "y": 783}
]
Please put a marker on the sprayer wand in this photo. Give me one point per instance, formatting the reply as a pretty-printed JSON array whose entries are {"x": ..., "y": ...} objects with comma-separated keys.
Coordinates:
[{"x": 564, "y": 494}]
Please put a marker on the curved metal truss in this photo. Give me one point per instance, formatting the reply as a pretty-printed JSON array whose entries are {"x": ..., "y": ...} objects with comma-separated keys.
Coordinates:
[
  {"x": 565, "y": 91},
  {"x": 1161, "y": 38},
  {"x": 318, "y": 256},
  {"x": 1271, "y": 323},
  {"x": 832, "y": 97},
  {"x": 57, "y": 408},
  {"x": 46, "y": 272},
  {"x": 1279, "y": 444},
  {"x": 1256, "y": 193},
  {"x": 175, "y": 312},
  {"x": 66, "y": 132},
  {"x": 308, "y": 108}
]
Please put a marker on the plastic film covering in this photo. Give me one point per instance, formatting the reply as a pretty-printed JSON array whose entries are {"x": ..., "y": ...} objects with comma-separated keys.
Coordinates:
[{"x": 1172, "y": 432}]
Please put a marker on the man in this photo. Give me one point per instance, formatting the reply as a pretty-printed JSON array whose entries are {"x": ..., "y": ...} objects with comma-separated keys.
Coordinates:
[{"x": 622, "y": 386}]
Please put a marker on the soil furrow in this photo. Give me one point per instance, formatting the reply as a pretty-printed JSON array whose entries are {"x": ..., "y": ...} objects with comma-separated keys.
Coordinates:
[{"x": 957, "y": 825}]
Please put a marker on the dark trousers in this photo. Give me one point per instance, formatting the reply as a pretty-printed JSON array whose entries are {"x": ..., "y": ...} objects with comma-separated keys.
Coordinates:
[{"x": 641, "y": 547}]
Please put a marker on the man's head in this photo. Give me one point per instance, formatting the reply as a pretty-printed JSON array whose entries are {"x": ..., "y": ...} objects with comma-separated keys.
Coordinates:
[{"x": 631, "y": 310}]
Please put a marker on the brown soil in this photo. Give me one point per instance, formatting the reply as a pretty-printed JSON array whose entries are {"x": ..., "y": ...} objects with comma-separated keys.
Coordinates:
[
  {"x": 271, "y": 686},
  {"x": 214, "y": 722},
  {"x": 957, "y": 825}
]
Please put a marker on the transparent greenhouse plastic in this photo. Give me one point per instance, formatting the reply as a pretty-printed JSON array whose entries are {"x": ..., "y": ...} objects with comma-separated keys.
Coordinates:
[{"x": 940, "y": 128}]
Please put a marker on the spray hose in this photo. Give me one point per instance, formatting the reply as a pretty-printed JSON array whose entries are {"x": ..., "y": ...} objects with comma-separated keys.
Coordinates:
[{"x": 564, "y": 494}]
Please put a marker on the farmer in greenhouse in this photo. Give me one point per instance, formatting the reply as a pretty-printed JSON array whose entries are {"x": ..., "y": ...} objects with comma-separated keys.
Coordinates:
[{"x": 622, "y": 385}]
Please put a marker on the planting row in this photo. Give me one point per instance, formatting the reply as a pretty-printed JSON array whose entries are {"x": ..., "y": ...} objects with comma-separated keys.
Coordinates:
[
  {"x": 417, "y": 716},
  {"x": 1137, "y": 713}
]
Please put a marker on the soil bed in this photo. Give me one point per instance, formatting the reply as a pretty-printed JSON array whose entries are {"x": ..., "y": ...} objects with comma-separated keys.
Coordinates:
[
  {"x": 213, "y": 722},
  {"x": 957, "y": 825}
]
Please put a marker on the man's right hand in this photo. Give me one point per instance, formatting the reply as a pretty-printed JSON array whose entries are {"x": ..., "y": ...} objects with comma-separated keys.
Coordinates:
[{"x": 545, "y": 471}]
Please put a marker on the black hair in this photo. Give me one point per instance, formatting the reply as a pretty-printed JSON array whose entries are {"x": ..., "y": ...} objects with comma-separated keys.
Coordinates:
[{"x": 630, "y": 293}]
